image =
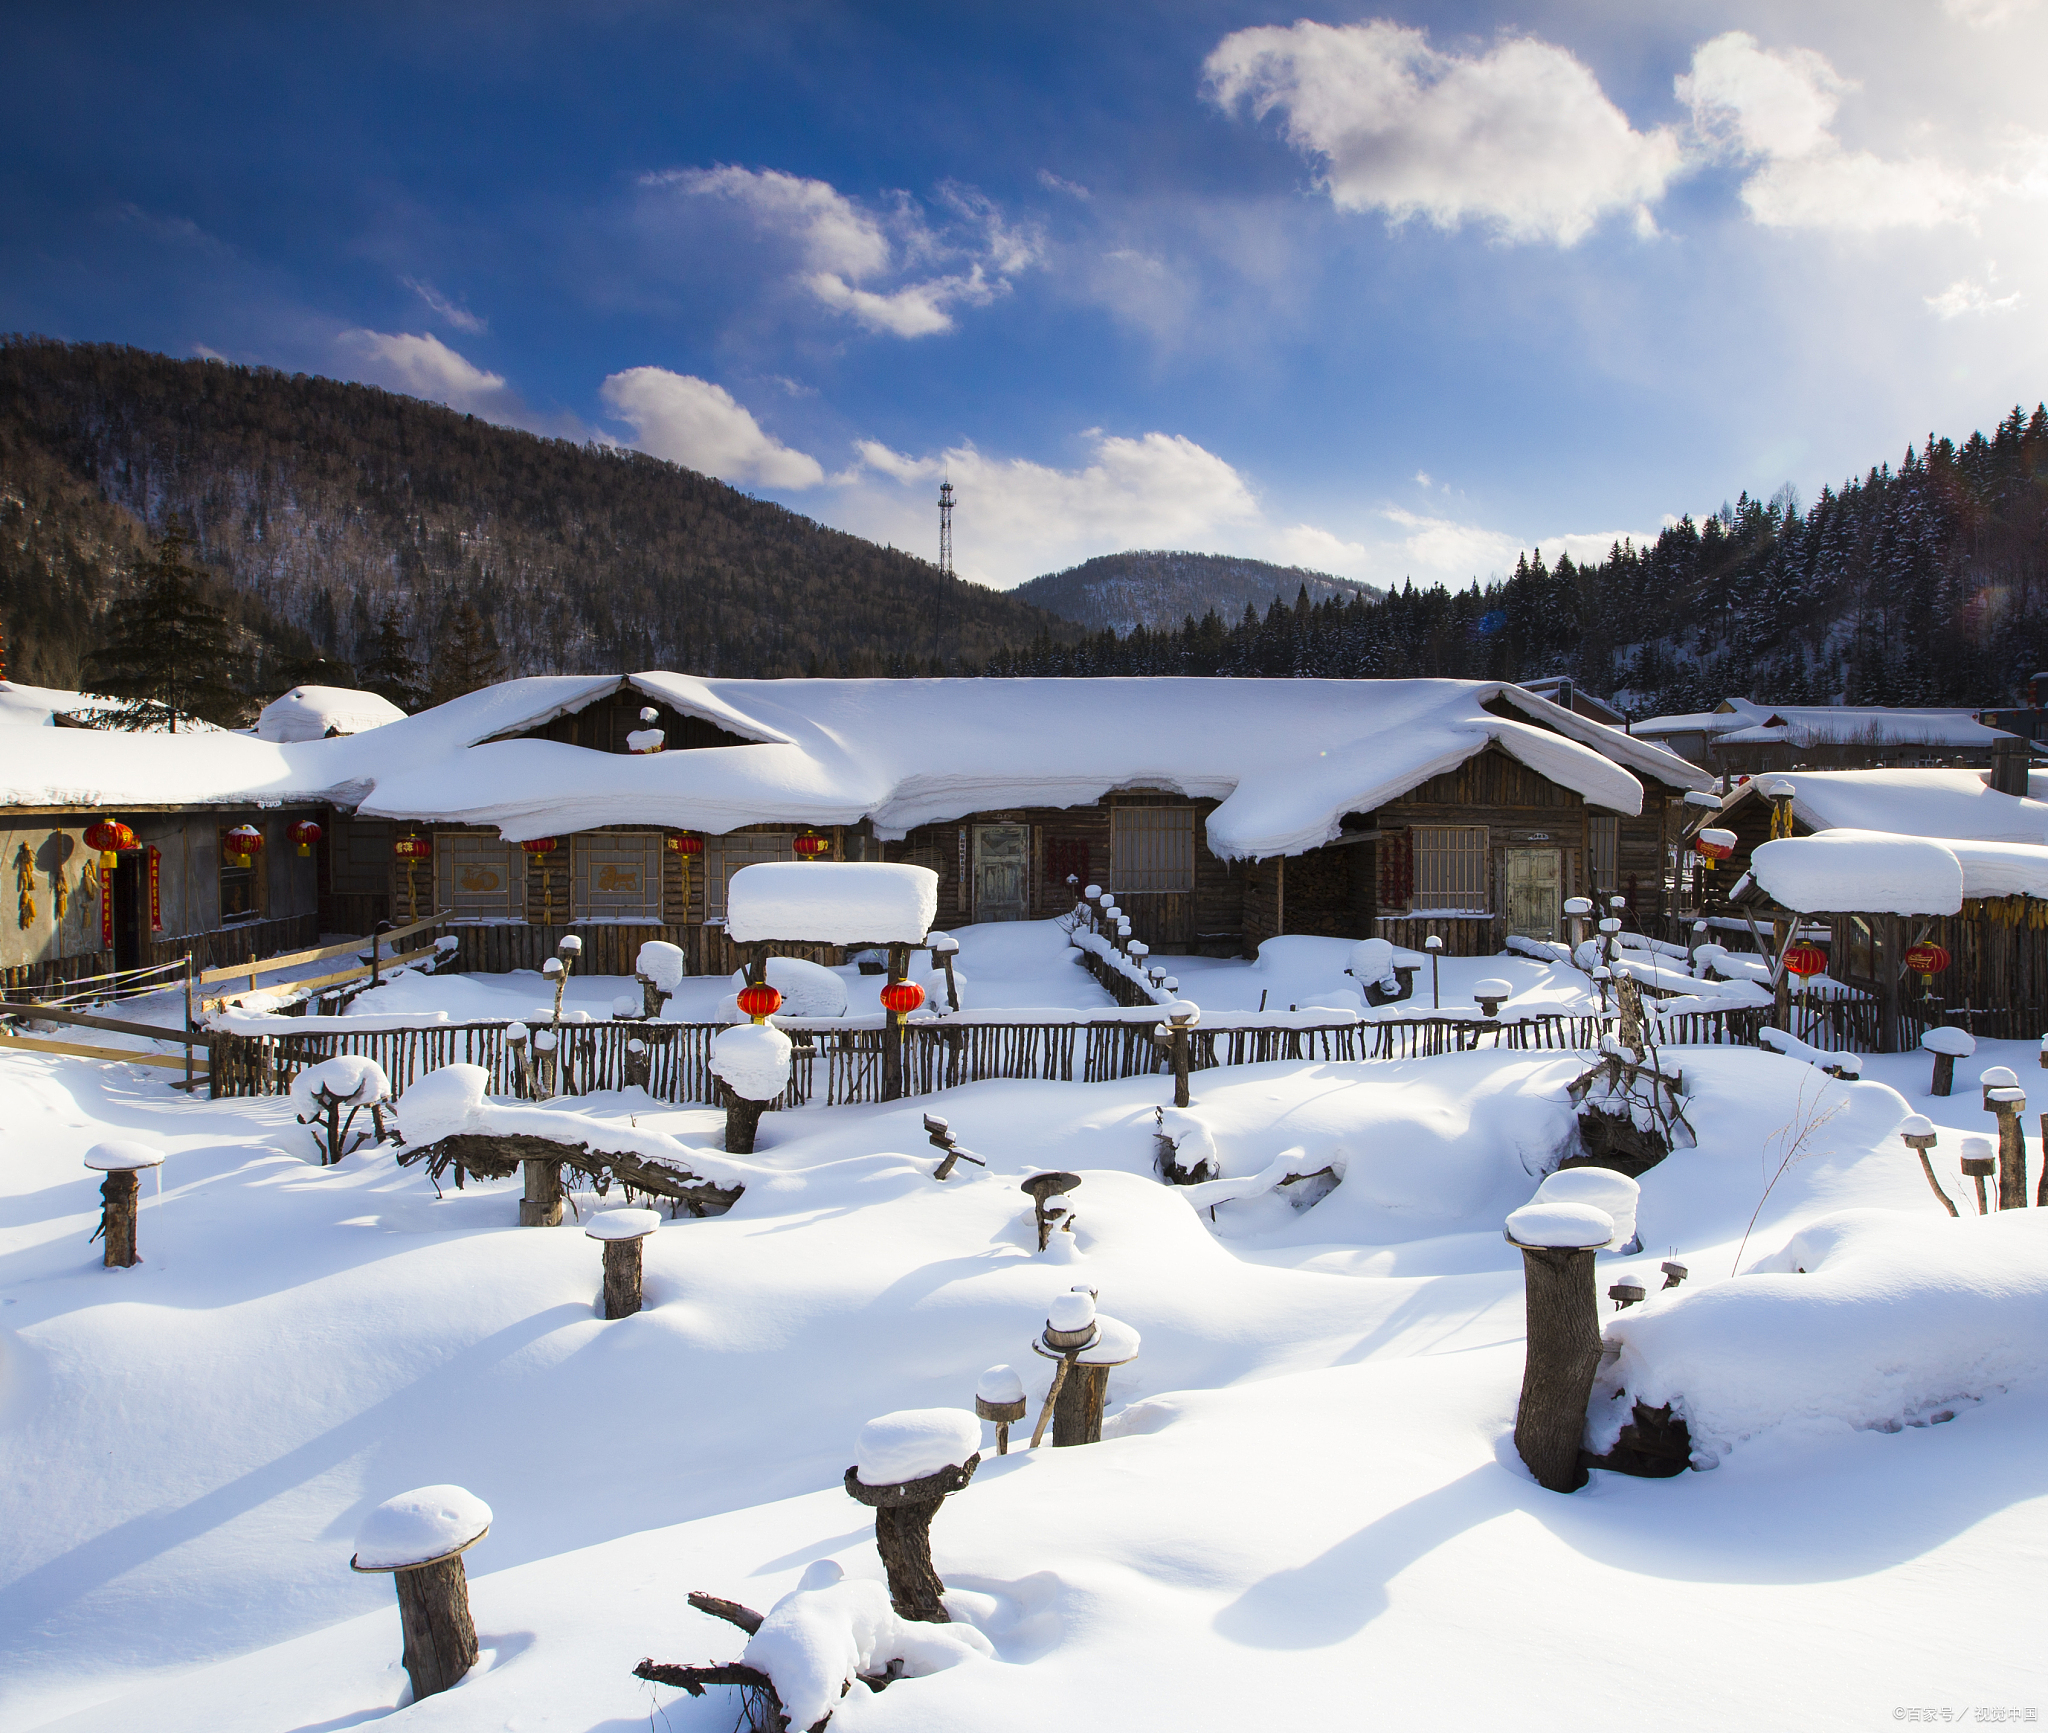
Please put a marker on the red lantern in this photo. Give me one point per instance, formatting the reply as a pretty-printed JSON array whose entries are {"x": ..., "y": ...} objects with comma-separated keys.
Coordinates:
[
  {"x": 683, "y": 843},
  {"x": 245, "y": 841},
  {"x": 109, "y": 836},
  {"x": 1926, "y": 959},
  {"x": 413, "y": 848},
  {"x": 1713, "y": 845},
  {"x": 760, "y": 1002},
  {"x": 902, "y": 997},
  {"x": 305, "y": 834},
  {"x": 811, "y": 845},
  {"x": 539, "y": 845},
  {"x": 1804, "y": 960}
]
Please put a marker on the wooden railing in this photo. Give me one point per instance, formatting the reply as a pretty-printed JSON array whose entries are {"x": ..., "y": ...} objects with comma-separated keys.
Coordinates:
[{"x": 839, "y": 1065}]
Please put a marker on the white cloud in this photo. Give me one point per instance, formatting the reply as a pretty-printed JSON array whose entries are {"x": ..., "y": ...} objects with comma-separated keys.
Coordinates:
[
  {"x": 1436, "y": 549},
  {"x": 1776, "y": 108},
  {"x": 424, "y": 366},
  {"x": 1987, "y": 14},
  {"x": 1519, "y": 138},
  {"x": 1964, "y": 296},
  {"x": 458, "y": 316},
  {"x": 1056, "y": 184},
  {"x": 842, "y": 246},
  {"x": 697, "y": 424}
]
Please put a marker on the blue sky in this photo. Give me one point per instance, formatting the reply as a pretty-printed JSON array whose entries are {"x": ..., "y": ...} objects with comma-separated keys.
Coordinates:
[{"x": 1389, "y": 292}]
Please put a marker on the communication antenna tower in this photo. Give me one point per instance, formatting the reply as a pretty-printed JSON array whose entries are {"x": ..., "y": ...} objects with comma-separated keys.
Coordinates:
[{"x": 946, "y": 529}]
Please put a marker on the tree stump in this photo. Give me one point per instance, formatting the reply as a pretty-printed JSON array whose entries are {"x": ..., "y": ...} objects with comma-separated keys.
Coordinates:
[
  {"x": 1563, "y": 1313},
  {"x": 120, "y": 1197},
  {"x": 621, "y": 1232},
  {"x": 1077, "y": 1415},
  {"x": 742, "y": 1123},
  {"x": 440, "y": 1636},
  {"x": 639, "y": 1065},
  {"x": 442, "y": 1522},
  {"x": 541, "y": 1207},
  {"x": 2012, "y": 1146},
  {"x": 903, "y": 1536}
]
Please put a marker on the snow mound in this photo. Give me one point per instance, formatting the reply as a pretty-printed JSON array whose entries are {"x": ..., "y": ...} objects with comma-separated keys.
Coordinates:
[
  {"x": 662, "y": 963},
  {"x": 418, "y": 1526},
  {"x": 1373, "y": 960},
  {"x": 1956, "y": 1043},
  {"x": 1867, "y": 1318},
  {"x": 999, "y": 1384},
  {"x": 816, "y": 1639},
  {"x": 752, "y": 1059},
  {"x": 122, "y": 1155},
  {"x": 1603, "y": 1188},
  {"x": 623, "y": 1224},
  {"x": 348, "y": 1077},
  {"x": 314, "y": 712},
  {"x": 445, "y": 1103},
  {"x": 1562, "y": 1225},
  {"x": 914, "y": 1442},
  {"x": 808, "y": 989},
  {"x": 831, "y": 902}
]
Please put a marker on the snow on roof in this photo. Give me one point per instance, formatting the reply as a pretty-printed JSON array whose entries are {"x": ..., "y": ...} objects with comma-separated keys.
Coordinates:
[
  {"x": 1860, "y": 871},
  {"x": 40, "y": 706},
  {"x": 1951, "y": 804},
  {"x": 1287, "y": 759},
  {"x": 1730, "y": 713},
  {"x": 313, "y": 712},
  {"x": 1823, "y": 725}
]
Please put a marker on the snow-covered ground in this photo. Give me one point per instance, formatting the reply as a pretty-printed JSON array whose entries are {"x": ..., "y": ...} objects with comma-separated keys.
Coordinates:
[{"x": 1308, "y": 1508}]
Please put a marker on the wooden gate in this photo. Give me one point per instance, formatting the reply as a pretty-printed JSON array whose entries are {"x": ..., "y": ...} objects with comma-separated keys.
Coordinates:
[{"x": 1002, "y": 872}]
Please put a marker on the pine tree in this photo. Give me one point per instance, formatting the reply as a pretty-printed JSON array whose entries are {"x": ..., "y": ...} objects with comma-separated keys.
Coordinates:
[
  {"x": 467, "y": 658},
  {"x": 171, "y": 657},
  {"x": 391, "y": 670}
]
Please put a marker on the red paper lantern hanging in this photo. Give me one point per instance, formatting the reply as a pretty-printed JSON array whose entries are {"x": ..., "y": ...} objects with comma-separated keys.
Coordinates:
[
  {"x": 245, "y": 842},
  {"x": 109, "y": 836},
  {"x": 1804, "y": 960},
  {"x": 540, "y": 845},
  {"x": 1927, "y": 959},
  {"x": 1713, "y": 845},
  {"x": 413, "y": 848},
  {"x": 683, "y": 843},
  {"x": 811, "y": 845},
  {"x": 902, "y": 997},
  {"x": 760, "y": 1001},
  {"x": 304, "y": 834}
]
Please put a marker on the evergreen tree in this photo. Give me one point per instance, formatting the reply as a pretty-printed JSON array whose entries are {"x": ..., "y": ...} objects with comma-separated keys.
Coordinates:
[
  {"x": 391, "y": 670},
  {"x": 467, "y": 659},
  {"x": 171, "y": 656}
]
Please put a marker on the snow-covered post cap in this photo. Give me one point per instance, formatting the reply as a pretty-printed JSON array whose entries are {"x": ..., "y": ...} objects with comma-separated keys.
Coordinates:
[
  {"x": 552, "y": 967},
  {"x": 942, "y": 944},
  {"x": 420, "y": 1537},
  {"x": 753, "y": 1061},
  {"x": 570, "y": 945},
  {"x": 1433, "y": 943},
  {"x": 1561, "y": 1226},
  {"x": 1079, "y": 1336},
  {"x": 621, "y": 1232},
  {"x": 906, "y": 1465},
  {"x": 831, "y": 903},
  {"x": 1578, "y": 905},
  {"x": 1917, "y": 1133},
  {"x": 619, "y": 1225},
  {"x": 999, "y": 1397},
  {"x": 421, "y": 1527},
  {"x": 1557, "y": 1241},
  {"x": 1183, "y": 1013},
  {"x": 1042, "y": 1188},
  {"x": 1610, "y": 925},
  {"x": 1489, "y": 994},
  {"x": 122, "y": 1155},
  {"x": 915, "y": 1443},
  {"x": 1603, "y": 1188}
]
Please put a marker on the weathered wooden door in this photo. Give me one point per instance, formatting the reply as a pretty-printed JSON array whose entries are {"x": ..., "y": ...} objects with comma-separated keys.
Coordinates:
[
  {"x": 1002, "y": 872},
  {"x": 1530, "y": 890}
]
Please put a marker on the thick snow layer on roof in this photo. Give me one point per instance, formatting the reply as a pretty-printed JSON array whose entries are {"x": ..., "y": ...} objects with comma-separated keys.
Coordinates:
[
  {"x": 1859, "y": 871},
  {"x": 1287, "y": 759},
  {"x": 1824, "y": 725},
  {"x": 831, "y": 902},
  {"x": 40, "y": 706},
  {"x": 1942, "y": 803},
  {"x": 313, "y": 712}
]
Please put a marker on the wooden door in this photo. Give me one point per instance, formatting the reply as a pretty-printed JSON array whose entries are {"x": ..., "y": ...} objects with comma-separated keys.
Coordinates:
[
  {"x": 1531, "y": 880},
  {"x": 1002, "y": 872}
]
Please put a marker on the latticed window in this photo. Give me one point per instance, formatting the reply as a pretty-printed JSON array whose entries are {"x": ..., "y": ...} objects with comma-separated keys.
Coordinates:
[
  {"x": 618, "y": 876},
  {"x": 480, "y": 876},
  {"x": 1151, "y": 848},
  {"x": 1603, "y": 852},
  {"x": 1450, "y": 867},
  {"x": 725, "y": 855}
]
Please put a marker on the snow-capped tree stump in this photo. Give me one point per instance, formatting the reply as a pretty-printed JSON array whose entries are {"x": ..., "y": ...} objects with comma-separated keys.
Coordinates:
[
  {"x": 1918, "y": 1134},
  {"x": 546, "y": 1051},
  {"x": 541, "y": 1207},
  {"x": 999, "y": 1398},
  {"x": 1175, "y": 1035},
  {"x": 1557, "y": 1242},
  {"x": 1947, "y": 1045},
  {"x": 905, "y": 1494},
  {"x": 639, "y": 1065},
  {"x": 752, "y": 1062},
  {"x": 2004, "y": 1097},
  {"x": 1042, "y": 1188},
  {"x": 120, "y": 1197},
  {"x": 620, "y": 1232},
  {"x": 517, "y": 1044},
  {"x": 419, "y": 1538},
  {"x": 1087, "y": 1344},
  {"x": 1978, "y": 1165}
]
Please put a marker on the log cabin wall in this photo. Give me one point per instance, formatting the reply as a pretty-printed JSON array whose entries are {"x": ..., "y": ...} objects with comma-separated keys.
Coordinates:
[
  {"x": 603, "y": 726},
  {"x": 1996, "y": 984}
]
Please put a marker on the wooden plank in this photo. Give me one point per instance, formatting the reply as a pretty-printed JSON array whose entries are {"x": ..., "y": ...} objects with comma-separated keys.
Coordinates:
[
  {"x": 149, "y": 1031},
  {"x": 77, "y": 1050},
  {"x": 263, "y": 965}
]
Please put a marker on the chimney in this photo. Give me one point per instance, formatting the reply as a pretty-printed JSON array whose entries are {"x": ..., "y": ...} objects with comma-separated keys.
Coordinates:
[
  {"x": 2009, "y": 765},
  {"x": 1564, "y": 694}
]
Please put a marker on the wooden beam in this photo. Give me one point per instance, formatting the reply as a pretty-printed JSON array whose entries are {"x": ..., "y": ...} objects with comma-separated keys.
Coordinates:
[
  {"x": 262, "y": 965},
  {"x": 78, "y": 1050},
  {"x": 114, "y": 1025}
]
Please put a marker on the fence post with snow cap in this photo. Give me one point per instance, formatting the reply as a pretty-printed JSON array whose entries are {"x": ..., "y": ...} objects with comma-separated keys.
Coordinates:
[
  {"x": 620, "y": 1232},
  {"x": 1979, "y": 1164},
  {"x": 1434, "y": 945},
  {"x": 1557, "y": 1241},
  {"x": 121, "y": 1160},
  {"x": 1947, "y": 1044},
  {"x": 1489, "y": 994},
  {"x": 1174, "y": 1035},
  {"x": 419, "y": 1537},
  {"x": 999, "y": 1399},
  {"x": 910, "y": 1463},
  {"x": 752, "y": 1060},
  {"x": 1917, "y": 1133},
  {"x": 2004, "y": 1097}
]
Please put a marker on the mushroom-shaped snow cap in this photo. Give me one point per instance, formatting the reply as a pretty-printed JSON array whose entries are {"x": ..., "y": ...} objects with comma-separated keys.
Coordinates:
[
  {"x": 625, "y": 1006},
  {"x": 1977, "y": 1149},
  {"x": 1000, "y": 1384},
  {"x": 1578, "y": 905},
  {"x": 1603, "y": 1188},
  {"x": 1492, "y": 989},
  {"x": 516, "y": 1031},
  {"x": 1071, "y": 1311},
  {"x": 1956, "y": 1043},
  {"x": 420, "y": 1527},
  {"x": 553, "y": 966},
  {"x": 1916, "y": 1125},
  {"x": 569, "y": 945},
  {"x": 122, "y": 1155},
  {"x": 1560, "y": 1226},
  {"x": 915, "y": 1442},
  {"x": 623, "y": 1224},
  {"x": 1371, "y": 959},
  {"x": 1044, "y": 1185},
  {"x": 1778, "y": 788},
  {"x": 1183, "y": 1012},
  {"x": 942, "y": 944},
  {"x": 2000, "y": 1077},
  {"x": 1115, "y": 1342}
]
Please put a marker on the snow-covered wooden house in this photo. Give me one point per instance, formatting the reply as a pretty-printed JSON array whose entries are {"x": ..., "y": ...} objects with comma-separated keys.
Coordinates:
[
  {"x": 1221, "y": 812},
  {"x": 1741, "y": 738}
]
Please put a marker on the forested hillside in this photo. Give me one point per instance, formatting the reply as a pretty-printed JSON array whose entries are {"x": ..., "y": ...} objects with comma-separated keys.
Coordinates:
[
  {"x": 1925, "y": 584},
  {"x": 330, "y": 507},
  {"x": 1152, "y": 588}
]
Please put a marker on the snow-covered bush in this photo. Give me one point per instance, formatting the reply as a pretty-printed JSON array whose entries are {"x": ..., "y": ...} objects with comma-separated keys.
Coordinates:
[
  {"x": 444, "y": 1103},
  {"x": 752, "y": 1060},
  {"x": 320, "y": 1093},
  {"x": 808, "y": 989}
]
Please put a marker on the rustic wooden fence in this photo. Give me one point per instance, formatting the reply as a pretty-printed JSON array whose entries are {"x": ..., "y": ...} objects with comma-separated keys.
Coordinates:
[{"x": 845, "y": 1065}]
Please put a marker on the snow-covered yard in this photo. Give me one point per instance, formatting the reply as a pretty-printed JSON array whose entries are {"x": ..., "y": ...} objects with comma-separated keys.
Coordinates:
[{"x": 1307, "y": 1507}]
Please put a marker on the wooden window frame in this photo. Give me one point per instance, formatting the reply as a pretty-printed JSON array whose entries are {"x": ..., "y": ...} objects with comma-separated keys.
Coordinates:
[
  {"x": 1146, "y": 846},
  {"x": 1453, "y": 870}
]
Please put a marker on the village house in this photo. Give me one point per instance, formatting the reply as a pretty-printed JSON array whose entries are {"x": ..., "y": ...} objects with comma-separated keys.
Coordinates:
[
  {"x": 1221, "y": 812},
  {"x": 1739, "y": 738}
]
